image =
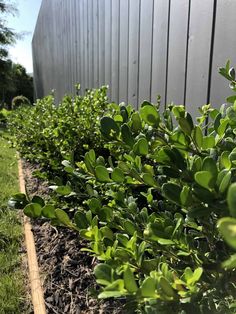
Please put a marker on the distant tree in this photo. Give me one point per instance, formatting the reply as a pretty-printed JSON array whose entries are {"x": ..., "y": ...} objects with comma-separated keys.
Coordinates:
[
  {"x": 7, "y": 35},
  {"x": 14, "y": 80},
  {"x": 20, "y": 83}
]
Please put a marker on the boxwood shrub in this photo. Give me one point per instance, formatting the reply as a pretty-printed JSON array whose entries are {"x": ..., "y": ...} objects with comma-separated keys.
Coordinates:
[{"x": 158, "y": 211}]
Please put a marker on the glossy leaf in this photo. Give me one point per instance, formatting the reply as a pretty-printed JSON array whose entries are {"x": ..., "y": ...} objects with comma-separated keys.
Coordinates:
[
  {"x": 117, "y": 175},
  {"x": 102, "y": 174},
  {"x": 48, "y": 211},
  {"x": 231, "y": 199},
  {"x": 141, "y": 147},
  {"x": 33, "y": 210},
  {"x": 227, "y": 227},
  {"x": 62, "y": 216},
  {"x": 150, "y": 115},
  {"x": 109, "y": 127},
  {"x": 130, "y": 283}
]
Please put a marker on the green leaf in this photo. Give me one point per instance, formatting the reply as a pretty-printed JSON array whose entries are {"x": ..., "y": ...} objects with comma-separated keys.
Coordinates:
[
  {"x": 232, "y": 157},
  {"x": 109, "y": 127},
  {"x": 89, "y": 163},
  {"x": 231, "y": 199},
  {"x": 148, "y": 288},
  {"x": 225, "y": 182},
  {"x": 208, "y": 142},
  {"x": 195, "y": 276},
  {"x": 18, "y": 201},
  {"x": 129, "y": 280},
  {"x": 141, "y": 147},
  {"x": 103, "y": 273},
  {"x": 187, "y": 274},
  {"x": 204, "y": 179},
  {"x": 81, "y": 220},
  {"x": 33, "y": 210},
  {"x": 210, "y": 165},
  {"x": 166, "y": 287},
  {"x": 149, "y": 114},
  {"x": 149, "y": 180},
  {"x": 222, "y": 127},
  {"x": 186, "y": 123},
  {"x": 127, "y": 135},
  {"x": 225, "y": 161},
  {"x": 48, "y": 211},
  {"x": 172, "y": 192},
  {"x": 185, "y": 196},
  {"x": 230, "y": 263},
  {"x": 178, "y": 111},
  {"x": 38, "y": 200},
  {"x": 227, "y": 228},
  {"x": 163, "y": 241},
  {"x": 117, "y": 285},
  {"x": 129, "y": 227},
  {"x": 105, "y": 213},
  {"x": 203, "y": 194},
  {"x": 62, "y": 216},
  {"x": 199, "y": 212},
  {"x": 102, "y": 174},
  {"x": 94, "y": 205},
  {"x": 231, "y": 99},
  {"x": 63, "y": 190},
  {"x": 110, "y": 294},
  {"x": 198, "y": 137},
  {"x": 118, "y": 118},
  {"x": 231, "y": 114},
  {"x": 136, "y": 122},
  {"x": 117, "y": 175}
]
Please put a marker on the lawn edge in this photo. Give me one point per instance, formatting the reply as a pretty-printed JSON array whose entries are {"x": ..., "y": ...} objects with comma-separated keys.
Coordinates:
[{"x": 34, "y": 276}]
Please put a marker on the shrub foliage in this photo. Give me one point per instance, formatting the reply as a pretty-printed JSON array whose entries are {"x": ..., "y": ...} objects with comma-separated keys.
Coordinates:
[{"x": 158, "y": 209}]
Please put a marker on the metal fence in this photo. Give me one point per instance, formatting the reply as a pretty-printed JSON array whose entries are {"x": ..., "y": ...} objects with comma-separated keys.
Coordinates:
[{"x": 140, "y": 48}]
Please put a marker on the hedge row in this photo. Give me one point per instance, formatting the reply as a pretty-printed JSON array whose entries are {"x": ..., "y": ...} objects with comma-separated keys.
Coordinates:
[{"x": 154, "y": 194}]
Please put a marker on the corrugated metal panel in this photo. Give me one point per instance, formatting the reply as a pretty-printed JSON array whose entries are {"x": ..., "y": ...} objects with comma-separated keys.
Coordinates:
[
  {"x": 115, "y": 18},
  {"x": 141, "y": 48},
  {"x": 198, "y": 54},
  {"x": 145, "y": 50},
  {"x": 133, "y": 61},
  {"x": 177, "y": 51},
  {"x": 160, "y": 53},
  {"x": 224, "y": 48}
]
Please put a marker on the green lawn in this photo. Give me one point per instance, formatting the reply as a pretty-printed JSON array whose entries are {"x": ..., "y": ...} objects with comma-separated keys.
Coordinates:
[{"x": 12, "y": 290}]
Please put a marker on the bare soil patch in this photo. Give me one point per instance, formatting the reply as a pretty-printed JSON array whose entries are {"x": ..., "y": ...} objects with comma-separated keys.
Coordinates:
[{"x": 67, "y": 272}]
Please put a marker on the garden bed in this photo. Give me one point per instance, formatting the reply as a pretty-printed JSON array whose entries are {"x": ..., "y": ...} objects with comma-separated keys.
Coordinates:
[{"x": 67, "y": 273}]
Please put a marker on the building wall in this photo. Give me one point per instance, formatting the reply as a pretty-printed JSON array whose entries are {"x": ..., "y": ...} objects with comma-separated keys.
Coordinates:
[{"x": 140, "y": 48}]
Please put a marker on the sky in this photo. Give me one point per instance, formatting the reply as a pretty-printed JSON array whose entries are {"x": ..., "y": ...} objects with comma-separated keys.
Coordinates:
[{"x": 25, "y": 22}]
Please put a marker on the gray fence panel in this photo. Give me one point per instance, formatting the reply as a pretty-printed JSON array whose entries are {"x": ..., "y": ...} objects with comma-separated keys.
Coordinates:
[
  {"x": 224, "y": 48},
  {"x": 133, "y": 61},
  {"x": 140, "y": 48},
  {"x": 160, "y": 52},
  {"x": 177, "y": 51},
  {"x": 108, "y": 44},
  {"x": 199, "y": 48},
  {"x": 115, "y": 18},
  {"x": 81, "y": 46},
  {"x": 145, "y": 52},
  {"x": 95, "y": 45},
  {"x": 90, "y": 43},
  {"x": 101, "y": 25},
  {"x": 123, "y": 50}
]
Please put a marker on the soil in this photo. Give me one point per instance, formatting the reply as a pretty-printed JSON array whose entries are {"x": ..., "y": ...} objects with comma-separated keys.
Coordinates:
[{"x": 67, "y": 272}]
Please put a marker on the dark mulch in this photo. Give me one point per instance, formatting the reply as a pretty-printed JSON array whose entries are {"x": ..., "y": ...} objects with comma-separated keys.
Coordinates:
[{"x": 67, "y": 272}]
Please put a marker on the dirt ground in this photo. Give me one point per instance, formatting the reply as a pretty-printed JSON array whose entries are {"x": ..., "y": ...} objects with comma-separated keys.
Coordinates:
[{"x": 66, "y": 271}]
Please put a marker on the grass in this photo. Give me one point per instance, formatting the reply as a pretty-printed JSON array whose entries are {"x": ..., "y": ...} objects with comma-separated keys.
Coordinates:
[{"x": 11, "y": 278}]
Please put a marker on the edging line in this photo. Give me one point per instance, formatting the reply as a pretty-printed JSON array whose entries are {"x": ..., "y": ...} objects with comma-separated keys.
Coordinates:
[{"x": 35, "y": 283}]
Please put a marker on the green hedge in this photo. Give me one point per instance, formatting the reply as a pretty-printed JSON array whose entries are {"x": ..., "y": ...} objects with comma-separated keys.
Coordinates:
[{"x": 159, "y": 211}]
